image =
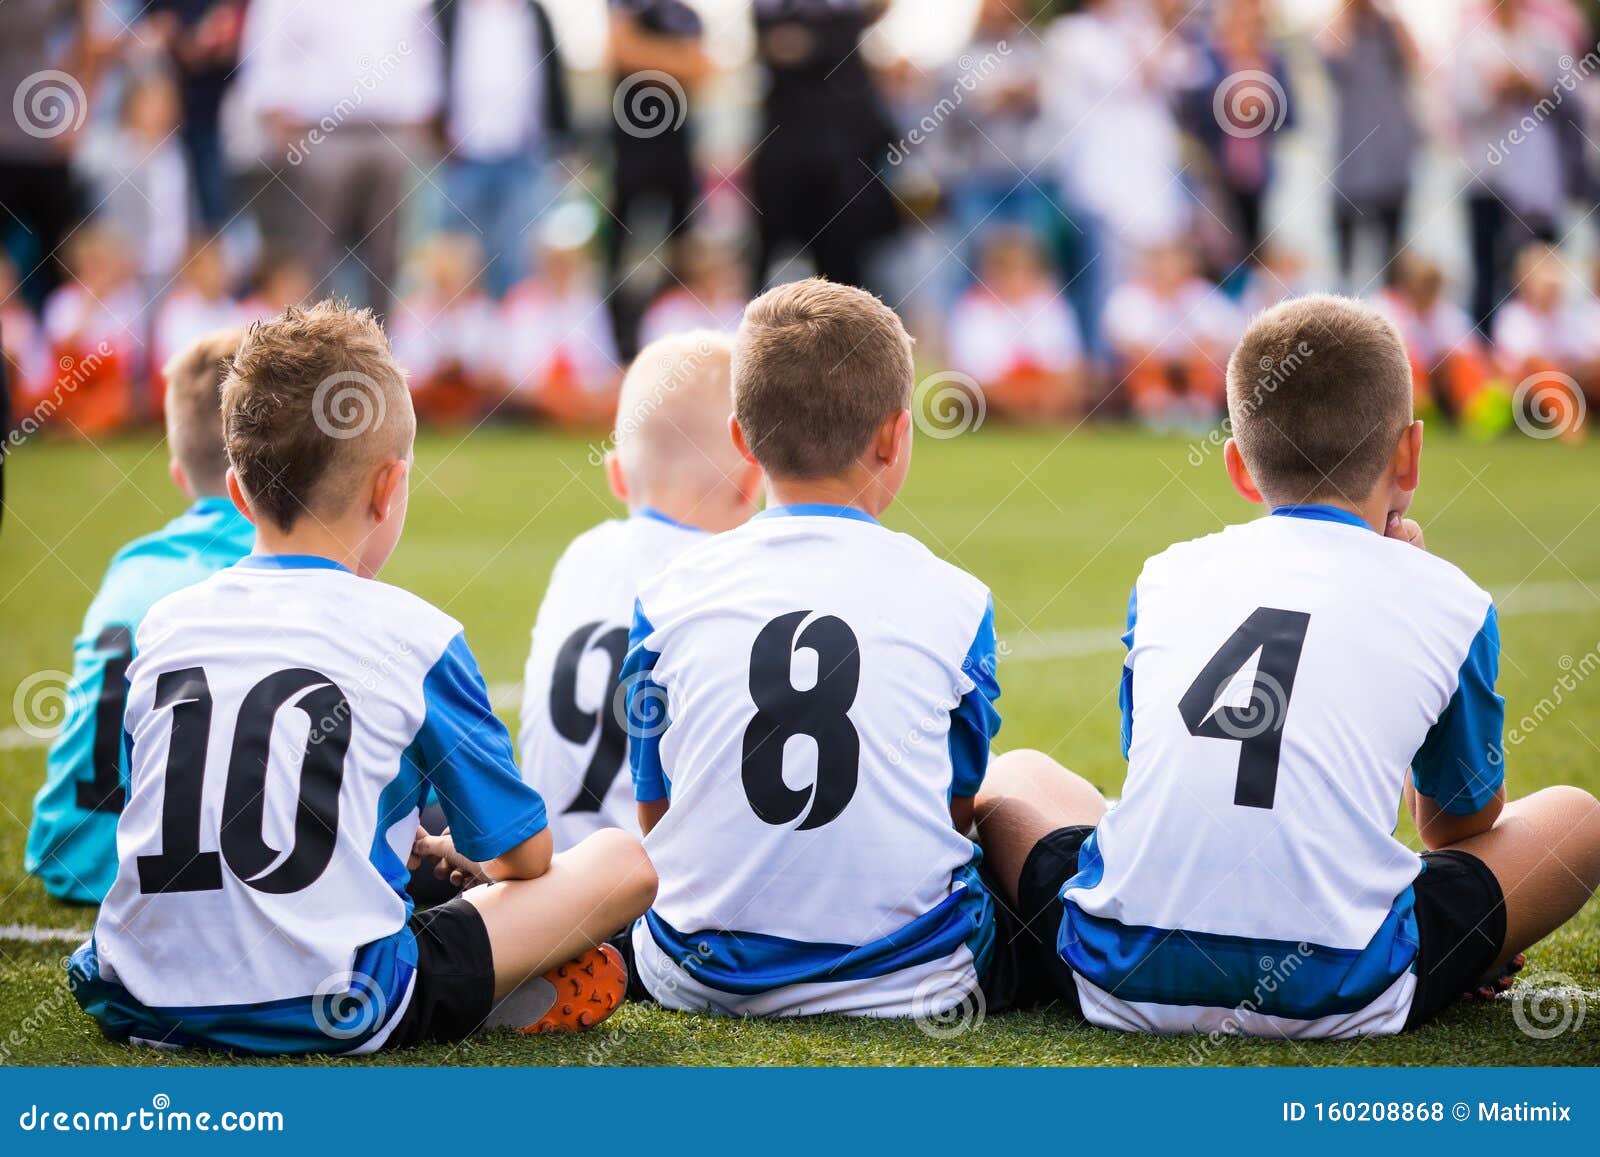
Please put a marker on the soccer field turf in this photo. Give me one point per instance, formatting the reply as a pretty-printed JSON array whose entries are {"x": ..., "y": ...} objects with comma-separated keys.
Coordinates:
[{"x": 1058, "y": 527}]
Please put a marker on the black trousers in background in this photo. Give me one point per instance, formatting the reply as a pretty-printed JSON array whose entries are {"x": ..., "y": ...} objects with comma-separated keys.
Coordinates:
[
  {"x": 41, "y": 206},
  {"x": 1498, "y": 235},
  {"x": 1351, "y": 220},
  {"x": 655, "y": 179}
]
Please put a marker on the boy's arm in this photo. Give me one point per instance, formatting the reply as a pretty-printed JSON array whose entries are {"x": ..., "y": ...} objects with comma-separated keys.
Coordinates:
[
  {"x": 497, "y": 821},
  {"x": 974, "y": 722},
  {"x": 646, "y": 721},
  {"x": 1458, "y": 774}
]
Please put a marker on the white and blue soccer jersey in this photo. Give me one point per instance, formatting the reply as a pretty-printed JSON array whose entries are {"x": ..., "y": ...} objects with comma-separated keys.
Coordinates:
[
  {"x": 574, "y": 739},
  {"x": 285, "y": 720},
  {"x": 72, "y": 841},
  {"x": 809, "y": 692},
  {"x": 1281, "y": 678}
]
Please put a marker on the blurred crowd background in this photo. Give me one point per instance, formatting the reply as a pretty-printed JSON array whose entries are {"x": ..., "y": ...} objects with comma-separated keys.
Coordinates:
[{"x": 1076, "y": 206}]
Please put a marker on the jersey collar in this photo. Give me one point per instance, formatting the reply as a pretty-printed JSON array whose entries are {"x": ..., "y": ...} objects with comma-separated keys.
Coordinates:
[
  {"x": 292, "y": 562},
  {"x": 212, "y": 506},
  {"x": 1319, "y": 512},
  {"x": 817, "y": 510},
  {"x": 652, "y": 513}
]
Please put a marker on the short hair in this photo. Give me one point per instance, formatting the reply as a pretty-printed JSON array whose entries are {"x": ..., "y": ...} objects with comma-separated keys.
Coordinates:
[
  {"x": 672, "y": 413},
  {"x": 193, "y": 405},
  {"x": 817, "y": 367},
  {"x": 314, "y": 399},
  {"x": 1319, "y": 390}
]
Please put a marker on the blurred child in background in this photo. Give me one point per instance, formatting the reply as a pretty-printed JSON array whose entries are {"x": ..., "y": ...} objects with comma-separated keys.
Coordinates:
[
  {"x": 1171, "y": 332},
  {"x": 200, "y": 303},
  {"x": 1450, "y": 368},
  {"x": 1539, "y": 335},
  {"x": 93, "y": 326},
  {"x": 1278, "y": 274},
  {"x": 446, "y": 332},
  {"x": 1014, "y": 333},
  {"x": 561, "y": 356},
  {"x": 281, "y": 280},
  {"x": 709, "y": 292},
  {"x": 25, "y": 354}
]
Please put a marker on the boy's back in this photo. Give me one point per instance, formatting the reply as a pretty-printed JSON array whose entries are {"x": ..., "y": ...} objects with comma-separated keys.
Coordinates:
[
  {"x": 573, "y": 742},
  {"x": 320, "y": 707},
  {"x": 1281, "y": 678},
  {"x": 811, "y": 690}
]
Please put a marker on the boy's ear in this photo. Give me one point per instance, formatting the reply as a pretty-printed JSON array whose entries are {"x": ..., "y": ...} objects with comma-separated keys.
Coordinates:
[
  {"x": 1239, "y": 473},
  {"x": 893, "y": 441},
  {"x": 615, "y": 478},
  {"x": 739, "y": 442},
  {"x": 179, "y": 478},
  {"x": 236, "y": 496},
  {"x": 387, "y": 486},
  {"x": 1408, "y": 458}
]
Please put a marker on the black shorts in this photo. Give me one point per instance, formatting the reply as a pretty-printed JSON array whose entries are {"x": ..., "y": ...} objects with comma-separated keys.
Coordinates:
[
  {"x": 1461, "y": 920},
  {"x": 454, "y": 989}
]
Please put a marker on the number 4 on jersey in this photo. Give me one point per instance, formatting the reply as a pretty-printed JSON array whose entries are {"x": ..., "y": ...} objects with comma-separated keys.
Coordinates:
[{"x": 1257, "y": 726}]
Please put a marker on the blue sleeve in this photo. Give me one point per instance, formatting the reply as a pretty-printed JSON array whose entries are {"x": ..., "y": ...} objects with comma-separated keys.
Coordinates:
[
  {"x": 975, "y": 722},
  {"x": 464, "y": 753},
  {"x": 1461, "y": 763},
  {"x": 647, "y": 713},
  {"x": 1125, "y": 691}
]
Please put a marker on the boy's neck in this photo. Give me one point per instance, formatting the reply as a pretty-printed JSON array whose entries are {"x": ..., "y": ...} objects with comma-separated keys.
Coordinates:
[
  {"x": 309, "y": 537},
  {"x": 841, "y": 491},
  {"x": 1374, "y": 511},
  {"x": 696, "y": 512}
]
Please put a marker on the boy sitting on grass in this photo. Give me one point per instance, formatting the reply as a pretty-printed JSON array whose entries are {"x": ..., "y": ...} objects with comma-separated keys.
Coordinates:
[
  {"x": 810, "y": 704},
  {"x": 1282, "y": 680},
  {"x": 72, "y": 842},
  {"x": 677, "y": 471},
  {"x": 285, "y": 719}
]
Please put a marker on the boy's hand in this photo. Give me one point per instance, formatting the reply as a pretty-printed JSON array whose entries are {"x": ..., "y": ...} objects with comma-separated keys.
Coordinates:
[
  {"x": 1404, "y": 529},
  {"x": 449, "y": 864}
]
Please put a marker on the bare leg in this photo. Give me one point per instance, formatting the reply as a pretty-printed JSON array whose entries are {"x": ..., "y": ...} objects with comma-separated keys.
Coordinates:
[
  {"x": 1026, "y": 796},
  {"x": 590, "y": 892},
  {"x": 1545, "y": 851}
]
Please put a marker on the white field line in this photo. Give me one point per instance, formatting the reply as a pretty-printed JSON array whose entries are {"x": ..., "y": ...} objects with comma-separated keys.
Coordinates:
[
  {"x": 1546, "y": 598},
  {"x": 33, "y": 934}
]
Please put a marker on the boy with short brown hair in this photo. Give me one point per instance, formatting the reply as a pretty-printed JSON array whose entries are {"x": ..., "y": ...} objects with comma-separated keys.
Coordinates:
[{"x": 285, "y": 719}]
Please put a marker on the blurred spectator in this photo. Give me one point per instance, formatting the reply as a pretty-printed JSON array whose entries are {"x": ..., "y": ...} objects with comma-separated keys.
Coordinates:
[
  {"x": 199, "y": 303},
  {"x": 93, "y": 326},
  {"x": 992, "y": 147},
  {"x": 1507, "y": 63},
  {"x": 282, "y": 279},
  {"x": 711, "y": 294},
  {"x": 1537, "y": 334},
  {"x": 1371, "y": 59},
  {"x": 824, "y": 138},
  {"x": 657, "y": 58},
  {"x": 26, "y": 357},
  {"x": 202, "y": 40},
  {"x": 1015, "y": 336},
  {"x": 347, "y": 91},
  {"x": 1449, "y": 365},
  {"x": 447, "y": 331},
  {"x": 1243, "y": 67},
  {"x": 39, "y": 130},
  {"x": 1172, "y": 332},
  {"x": 140, "y": 179},
  {"x": 505, "y": 118},
  {"x": 1280, "y": 273},
  {"x": 1109, "y": 83},
  {"x": 561, "y": 361}
]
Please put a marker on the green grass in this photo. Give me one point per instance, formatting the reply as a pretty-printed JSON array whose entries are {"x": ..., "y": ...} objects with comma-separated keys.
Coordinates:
[{"x": 1058, "y": 526}]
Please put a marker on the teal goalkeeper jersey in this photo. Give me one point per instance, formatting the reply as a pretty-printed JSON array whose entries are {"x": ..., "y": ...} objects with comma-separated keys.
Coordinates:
[{"x": 72, "y": 843}]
